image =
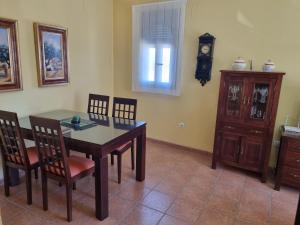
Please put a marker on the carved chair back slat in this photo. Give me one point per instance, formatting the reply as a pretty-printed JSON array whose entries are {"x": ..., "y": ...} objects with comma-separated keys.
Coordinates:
[
  {"x": 11, "y": 141},
  {"x": 98, "y": 104},
  {"x": 124, "y": 108},
  {"x": 50, "y": 144}
]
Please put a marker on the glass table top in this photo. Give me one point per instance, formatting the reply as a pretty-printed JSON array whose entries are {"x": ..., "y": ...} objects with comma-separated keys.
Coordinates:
[{"x": 105, "y": 129}]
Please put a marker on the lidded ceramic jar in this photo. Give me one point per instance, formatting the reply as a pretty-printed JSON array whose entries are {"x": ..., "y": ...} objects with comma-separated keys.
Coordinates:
[
  {"x": 269, "y": 66},
  {"x": 239, "y": 64}
]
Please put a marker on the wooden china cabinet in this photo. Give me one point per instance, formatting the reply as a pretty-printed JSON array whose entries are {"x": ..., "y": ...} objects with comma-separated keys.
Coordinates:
[{"x": 246, "y": 116}]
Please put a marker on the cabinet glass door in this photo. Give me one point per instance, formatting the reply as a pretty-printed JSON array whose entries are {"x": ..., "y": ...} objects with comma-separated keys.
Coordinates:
[
  {"x": 259, "y": 104},
  {"x": 259, "y": 101},
  {"x": 234, "y": 98}
]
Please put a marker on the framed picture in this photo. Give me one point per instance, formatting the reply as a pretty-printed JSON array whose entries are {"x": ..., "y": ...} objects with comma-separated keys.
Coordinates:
[
  {"x": 10, "y": 75},
  {"x": 52, "y": 55}
]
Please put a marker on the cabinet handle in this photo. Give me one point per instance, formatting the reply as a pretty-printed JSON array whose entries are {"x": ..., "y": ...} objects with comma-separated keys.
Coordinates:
[
  {"x": 242, "y": 151},
  {"x": 298, "y": 160},
  {"x": 294, "y": 175},
  {"x": 244, "y": 101},
  {"x": 229, "y": 127},
  {"x": 256, "y": 131},
  {"x": 238, "y": 150},
  {"x": 249, "y": 98}
]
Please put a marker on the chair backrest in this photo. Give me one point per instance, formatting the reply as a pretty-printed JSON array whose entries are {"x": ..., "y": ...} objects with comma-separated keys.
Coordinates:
[
  {"x": 98, "y": 104},
  {"x": 51, "y": 147},
  {"x": 12, "y": 144},
  {"x": 124, "y": 108}
]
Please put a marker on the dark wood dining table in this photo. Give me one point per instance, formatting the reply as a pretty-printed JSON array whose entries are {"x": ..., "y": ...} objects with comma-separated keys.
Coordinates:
[{"x": 99, "y": 140}]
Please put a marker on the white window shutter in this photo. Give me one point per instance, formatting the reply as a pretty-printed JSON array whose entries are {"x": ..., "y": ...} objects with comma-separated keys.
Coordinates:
[{"x": 158, "y": 30}]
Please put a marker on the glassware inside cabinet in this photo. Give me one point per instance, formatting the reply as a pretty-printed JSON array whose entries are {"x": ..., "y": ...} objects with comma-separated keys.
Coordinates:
[
  {"x": 259, "y": 101},
  {"x": 233, "y": 106}
]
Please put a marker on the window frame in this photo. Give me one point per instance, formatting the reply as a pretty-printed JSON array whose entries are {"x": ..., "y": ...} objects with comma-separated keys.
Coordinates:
[{"x": 174, "y": 86}]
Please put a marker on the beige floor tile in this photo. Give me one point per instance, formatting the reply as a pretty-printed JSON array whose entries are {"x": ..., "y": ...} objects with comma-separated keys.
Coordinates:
[
  {"x": 215, "y": 217},
  {"x": 187, "y": 192},
  {"x": 229, "y": 191},
  {"x": 222, "y": 203},
  {"x": 169, "y": 220},
  {"x": 185, "y": 210},
  {"x": 134, "y": 191},
  {"x": 157, "y": 200},
  {"x": 143, "y": 216},
  {"x": 255, "y": 214},
  {"x": 283, "y": 213}
]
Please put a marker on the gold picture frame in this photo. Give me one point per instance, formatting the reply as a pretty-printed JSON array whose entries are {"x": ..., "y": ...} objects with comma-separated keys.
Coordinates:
[
  {"x": 52, "y": 54},
  {"x": 10, "y": 73}
]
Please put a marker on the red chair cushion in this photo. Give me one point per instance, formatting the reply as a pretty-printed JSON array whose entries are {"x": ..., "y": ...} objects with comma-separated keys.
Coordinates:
[
  {"x": 32, "y": 155},
  {"x": 79, "y": 164}
]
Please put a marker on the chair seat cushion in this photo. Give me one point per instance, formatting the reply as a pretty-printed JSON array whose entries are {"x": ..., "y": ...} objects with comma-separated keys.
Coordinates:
[
  {"x": 79, "y": 164},
  {"x": 122, "y": 148},
  {"x": 32, "y": 155}
]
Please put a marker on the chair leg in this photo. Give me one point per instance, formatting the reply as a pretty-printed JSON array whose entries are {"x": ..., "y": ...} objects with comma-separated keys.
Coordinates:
[
  {"x": 74, "y": 186},
  {"x": 45, "y": 191},
  {"x": 36, "y": 173},
  {"x": 6, "y": 180},
  {"x": 112, "y": 159},
  {"x": 132, "y": 157},
  {"x": 69, "y": 201},
  {"x": 28, "y": 186},
  {"x": 119, "y": 168}
]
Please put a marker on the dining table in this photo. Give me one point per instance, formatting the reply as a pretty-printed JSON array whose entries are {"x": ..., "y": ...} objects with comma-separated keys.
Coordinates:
[{"x": 102, "y": 136}]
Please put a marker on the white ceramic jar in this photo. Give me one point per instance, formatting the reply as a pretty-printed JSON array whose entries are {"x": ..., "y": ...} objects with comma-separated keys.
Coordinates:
[
  {"x": 239, "y": 64},
  {"x": 269, "y": 66}
]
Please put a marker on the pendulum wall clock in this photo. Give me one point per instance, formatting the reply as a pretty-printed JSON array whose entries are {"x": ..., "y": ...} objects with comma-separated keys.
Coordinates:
[{"x": 205, "y": 58}]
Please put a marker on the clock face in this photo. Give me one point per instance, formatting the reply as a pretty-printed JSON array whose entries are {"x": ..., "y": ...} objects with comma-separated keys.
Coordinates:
[{"x": 205, "y": 49}]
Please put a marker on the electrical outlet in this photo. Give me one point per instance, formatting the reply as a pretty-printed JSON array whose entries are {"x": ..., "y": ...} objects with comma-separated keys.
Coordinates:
[{"x": 181, "y": 125}]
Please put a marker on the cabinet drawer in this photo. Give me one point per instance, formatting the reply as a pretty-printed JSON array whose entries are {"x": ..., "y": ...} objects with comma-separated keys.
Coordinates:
[
  {"x": 292, "y": 159},
  {"x": 232, "y": 129},
  {"x": 256, "y": 132},
  {"x": 291, "y": 175},
  {"x": 294, "y": 145}
]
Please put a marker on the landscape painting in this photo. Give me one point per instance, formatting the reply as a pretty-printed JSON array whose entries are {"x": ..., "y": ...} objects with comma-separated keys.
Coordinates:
[
  {"x": 9, "y": 61},
  {"x": 51, "y": 50},
  {"x": 5, "y": 68}
]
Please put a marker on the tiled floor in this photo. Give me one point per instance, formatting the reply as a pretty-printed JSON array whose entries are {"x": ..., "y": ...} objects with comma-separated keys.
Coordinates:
[{"x": 180, "y": 189}]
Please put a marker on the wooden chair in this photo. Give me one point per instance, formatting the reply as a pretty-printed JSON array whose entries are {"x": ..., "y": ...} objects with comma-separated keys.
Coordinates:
[
  {"x": 14, "y": 153},
  {"x": 98, "y": 104},
  {"x": 124, "y": 108},
  {"x": 54, "y": 161}
]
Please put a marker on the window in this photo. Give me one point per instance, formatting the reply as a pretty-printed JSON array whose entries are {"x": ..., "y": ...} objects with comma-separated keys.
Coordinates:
[{"x": 157, "y": 42}]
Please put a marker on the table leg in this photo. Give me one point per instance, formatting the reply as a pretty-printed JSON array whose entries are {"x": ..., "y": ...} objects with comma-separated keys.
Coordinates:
[
  {"x": 101, "y": 187},
  {"x": 297, "y": 219},
  {"x": 141, "y": 156}
]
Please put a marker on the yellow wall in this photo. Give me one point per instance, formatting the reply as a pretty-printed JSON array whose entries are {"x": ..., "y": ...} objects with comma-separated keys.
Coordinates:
[
  {"x": 90, "y": 36},
  {"x": 257, "y": 30},
  {"x": 252, "y": 29}
]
